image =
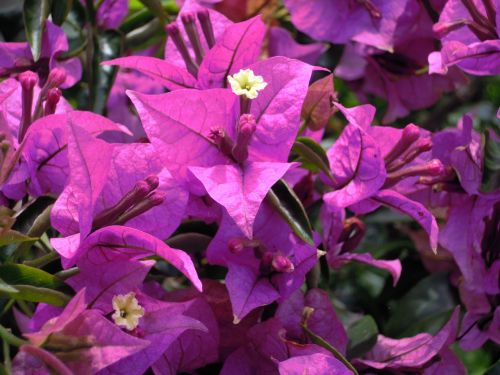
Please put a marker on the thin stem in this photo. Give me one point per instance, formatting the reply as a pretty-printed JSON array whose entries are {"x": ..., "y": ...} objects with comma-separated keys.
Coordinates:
[
  {"x": 66, "y": 274},
  {"x": 6, "y": 356},
  {"x": 323, "y": 343},
  {"x": 11, "y": 339},
  {"x": 43, "y": 260}
]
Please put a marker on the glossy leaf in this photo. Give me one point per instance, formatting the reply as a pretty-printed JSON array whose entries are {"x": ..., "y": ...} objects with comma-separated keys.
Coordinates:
[
  {"x": 424, "y": 308},
  {"x": 362, "y": 336},
  {"x": 283, "y": 198},
  {"x": 35, "y": 13},
  {"x": 13, "y": 237},
  {"x": 22, "y": 274},
  {"x": 60, "y": 10},
  {"x": 107, "y": 45},
  {"x": 313, "y": 153}
]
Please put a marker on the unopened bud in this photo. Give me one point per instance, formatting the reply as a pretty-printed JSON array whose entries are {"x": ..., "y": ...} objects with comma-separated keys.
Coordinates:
[
  {"x": 189, "y": 19},
  {"x": 281, "y": 263},
  {"x": 206, "y": 26},
  {"x": 153, "y": 181},
  {"x": 236, "y": 245},
  {"x": 28, "y": 80},
  {"x": 53, "y": 97},
  {"x": 174, "y": 32},
  {"x": 56, "y": 78},
  {"x": 247, "y": 127},
  {"x": 222, "y": 140},
  {"x": 409, "y": 135}
]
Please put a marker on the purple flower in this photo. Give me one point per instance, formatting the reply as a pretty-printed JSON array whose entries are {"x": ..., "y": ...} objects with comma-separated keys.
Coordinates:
[
  {"x": 368, "y": 163},
  {"x": 341, "y": 237},
  {"x": 117, "y": 185},
  {"x": 235, "y": 161},
  {"x": 372, "y": 22},
  {"x": 394, "y": 75},
  {"x": 267, "y": 268},
  {"x": 421, "y": 352},
  {"x": 281, "y": 43},
  {"x": 469, "y": 32},
  {"x": 16, "y": 57},
  {"x": 268, "y": 350},
  {"x": 203, "y": 48},
  {"x": 79, "y": 341}
]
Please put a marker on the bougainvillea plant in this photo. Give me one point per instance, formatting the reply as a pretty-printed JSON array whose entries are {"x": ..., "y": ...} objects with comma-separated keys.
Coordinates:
[{"x": 250, "y": 187}]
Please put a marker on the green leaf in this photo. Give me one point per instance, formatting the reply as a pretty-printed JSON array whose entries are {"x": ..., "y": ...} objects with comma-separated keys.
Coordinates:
[
  {"x": 493, "y": 370},
  {"x": 156, "y": 8},
  {"x": 6, "y": 288},
  {"x": 362, "y": 336},
  {"x": 14, "y": 237},
  {"x": 60, "y": 10},
  {"x": 32, "y": 284},
  {"x": 283, "y": 198},
  {"x": 35, "y": 14},
  {"x": 313, "y": 153},
  {"x": 14, "y": 274},
  {"x": 37, "y": 294},
  {"x": 491, "y": 174},
  {"x": 318, "y": 340},
  {"x": 425, "y": 308},
  {"x": 107, "y": 46},
  {"x": 193, "y": 243}
]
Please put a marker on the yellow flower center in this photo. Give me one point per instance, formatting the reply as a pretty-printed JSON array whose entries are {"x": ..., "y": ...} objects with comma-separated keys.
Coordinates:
[
  {"x": 245, "y": 82},
  {"x": 127, "y": 311}
]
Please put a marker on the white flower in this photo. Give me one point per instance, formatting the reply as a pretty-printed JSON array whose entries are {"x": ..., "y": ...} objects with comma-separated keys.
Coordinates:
[
  {"x": 245, "y": 82},
  {"x": 127, "y": 311}
]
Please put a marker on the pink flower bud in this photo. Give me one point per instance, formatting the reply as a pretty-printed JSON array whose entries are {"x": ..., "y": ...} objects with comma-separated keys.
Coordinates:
[{"x": 282, "y": 264}]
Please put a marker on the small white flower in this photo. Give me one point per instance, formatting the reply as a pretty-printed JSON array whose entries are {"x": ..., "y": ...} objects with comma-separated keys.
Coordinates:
[
  {"x": 245, "y": 82},
  {"x": 127, "y": 311}
]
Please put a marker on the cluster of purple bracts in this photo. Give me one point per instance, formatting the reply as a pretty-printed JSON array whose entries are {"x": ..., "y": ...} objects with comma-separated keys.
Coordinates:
[{"x": 217, "y": 119}]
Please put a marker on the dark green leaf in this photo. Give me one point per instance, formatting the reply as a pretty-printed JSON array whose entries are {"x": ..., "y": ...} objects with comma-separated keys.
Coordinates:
[
  {"x": 14, "y": 274},
  {"x": 318, "y": 340},
  {"x": 6, "y": 288},
  {"x": 145, "y": 35},
  {"x": 425, "y": 308},
  {"x": 14, "y": 237},
  {"x": 491, "y": 174},
  {"x": 190, "y": 242},
  {"x": 362, "y": 336},
  {"x": 283, "y": 198},
  {"x": 494, "y": 370},
  {"x": 35, "y": 14},
  {"x": 60, "y": 10},
  {"x": 313, "y": 153},
  {"x": 37, "y": 294},
  {"x": 32, "y": 284},
  {"x": 107, "y": 45},
  {"x": 157, "y": 9}
]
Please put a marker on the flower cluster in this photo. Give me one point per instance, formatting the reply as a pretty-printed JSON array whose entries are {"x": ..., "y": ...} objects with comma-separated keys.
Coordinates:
[{"x": 223, "y": 209}]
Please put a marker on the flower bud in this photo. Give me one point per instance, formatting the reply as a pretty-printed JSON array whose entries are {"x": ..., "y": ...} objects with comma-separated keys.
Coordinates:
[
  {"x": 56, "y": 78},
  {"x": 247, "y": 127},
  {"x": 189, "y": 21},
  {"x": 282, "y": 264},
  {"x": 206, "y": 26},
  {"x": 174, "y": 32},
  {"x": 53, "y": 97}
]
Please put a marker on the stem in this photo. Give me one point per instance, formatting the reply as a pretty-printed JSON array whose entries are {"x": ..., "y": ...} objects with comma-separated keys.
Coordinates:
[
  {"x": 11, "y": 339},
  {"x": 6, "y": 356},
  {"x": 25, "y": 308},
  {"x": 7, "y": 307},
  {"x": 66, "y": 274},
  {"x": 321, "y": 342},
  {"x": 43, "y": 260}
]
